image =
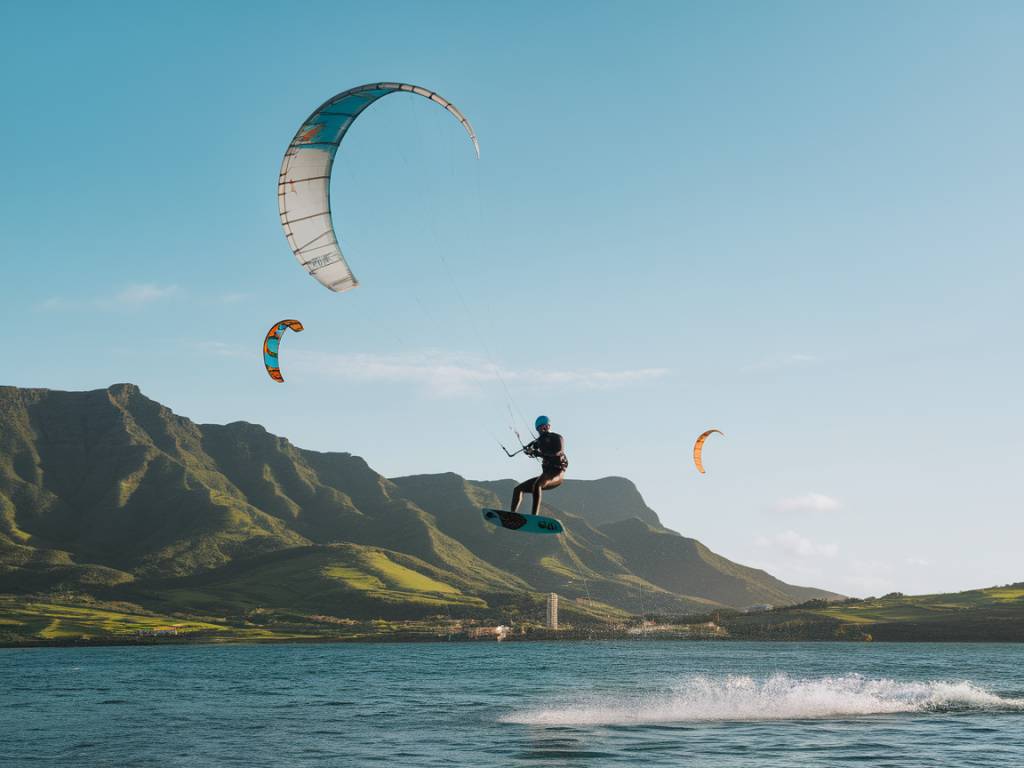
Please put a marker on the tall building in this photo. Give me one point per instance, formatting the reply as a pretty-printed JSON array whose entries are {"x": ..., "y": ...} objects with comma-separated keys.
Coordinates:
[{"x": 552, "y": 611}]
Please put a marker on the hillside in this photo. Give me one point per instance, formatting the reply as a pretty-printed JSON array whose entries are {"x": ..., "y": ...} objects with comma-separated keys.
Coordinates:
[
  {"x": 995, "y": 614},
  {"x": 111, "y": 495}
]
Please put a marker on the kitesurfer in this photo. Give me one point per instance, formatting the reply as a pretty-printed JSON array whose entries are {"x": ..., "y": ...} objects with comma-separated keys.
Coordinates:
[{"x": 549, "y": 447}]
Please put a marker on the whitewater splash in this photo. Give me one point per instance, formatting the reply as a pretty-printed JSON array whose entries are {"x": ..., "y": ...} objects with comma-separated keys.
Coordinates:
[{"x": 779, "y": 697}]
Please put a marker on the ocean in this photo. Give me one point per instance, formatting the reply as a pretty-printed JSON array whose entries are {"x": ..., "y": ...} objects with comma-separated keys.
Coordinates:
[{"x": 641, "y": 703}]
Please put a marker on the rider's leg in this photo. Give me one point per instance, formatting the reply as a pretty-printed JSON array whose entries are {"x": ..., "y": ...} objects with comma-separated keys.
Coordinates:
[
  {"x": 524, "y": 487},
  {"x": 544, "y": 482}
]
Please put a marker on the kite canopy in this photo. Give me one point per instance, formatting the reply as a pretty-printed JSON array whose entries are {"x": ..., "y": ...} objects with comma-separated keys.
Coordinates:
[
  {"x": 272, "y": 343},
  {"x": 304, "y": 188},
  {"x": 698, "y": 448}
]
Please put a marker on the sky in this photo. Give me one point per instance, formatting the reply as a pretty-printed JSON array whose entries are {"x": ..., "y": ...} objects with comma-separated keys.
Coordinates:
[{"x": 797, "y": 222}]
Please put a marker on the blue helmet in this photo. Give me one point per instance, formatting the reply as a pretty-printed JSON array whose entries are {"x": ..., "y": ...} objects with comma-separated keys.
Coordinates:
[{"x": 541, "y": 422}]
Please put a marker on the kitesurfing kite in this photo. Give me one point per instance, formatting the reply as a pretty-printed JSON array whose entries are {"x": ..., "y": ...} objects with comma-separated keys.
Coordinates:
[
  {"x": 272, "y": 343},
  {"x": 304, "y": 188},
  {"x": 698, "y": 448}
]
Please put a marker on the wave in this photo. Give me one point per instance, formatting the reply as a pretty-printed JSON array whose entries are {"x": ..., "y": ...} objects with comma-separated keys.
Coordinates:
[{"x": 778, "y": 697}]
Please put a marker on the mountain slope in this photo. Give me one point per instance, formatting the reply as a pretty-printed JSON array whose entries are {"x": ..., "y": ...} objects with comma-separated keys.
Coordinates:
[
  {"x": 113, "y": 478},
  {"x": 110, "y": 492},
  {"x": 686, "y": 566},
  {"x": 606, "y": 500}
]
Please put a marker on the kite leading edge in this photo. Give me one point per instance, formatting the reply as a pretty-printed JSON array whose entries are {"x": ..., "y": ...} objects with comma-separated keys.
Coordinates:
[
  {"x": 304, "y": 186},
  {"x": 698, "y": 448},
  {"x": 272, "y": 344}
]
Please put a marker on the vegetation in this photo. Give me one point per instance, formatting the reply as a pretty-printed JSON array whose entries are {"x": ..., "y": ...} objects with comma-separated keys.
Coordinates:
[
  {"x": 24, "y": 619},
  {"x": 995, "y": 614},
  {"x": 119, "y": 518}
]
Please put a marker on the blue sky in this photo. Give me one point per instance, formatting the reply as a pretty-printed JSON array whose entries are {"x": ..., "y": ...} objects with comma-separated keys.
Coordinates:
[{"x": 797, "y": 222}]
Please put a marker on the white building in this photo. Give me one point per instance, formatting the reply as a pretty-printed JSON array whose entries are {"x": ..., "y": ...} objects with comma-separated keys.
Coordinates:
[{"x": 552, "y": 611}]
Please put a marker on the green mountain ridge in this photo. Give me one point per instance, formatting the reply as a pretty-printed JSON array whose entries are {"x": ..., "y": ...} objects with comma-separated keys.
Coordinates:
[{"x": 111, "y": 494}]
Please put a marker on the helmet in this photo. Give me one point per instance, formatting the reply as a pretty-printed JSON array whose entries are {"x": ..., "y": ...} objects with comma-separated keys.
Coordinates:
[{"x": 541, "y": 422}]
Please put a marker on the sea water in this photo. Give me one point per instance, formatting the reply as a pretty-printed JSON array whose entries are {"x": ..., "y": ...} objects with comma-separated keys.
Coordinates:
[{"x": 530, "y": 704}]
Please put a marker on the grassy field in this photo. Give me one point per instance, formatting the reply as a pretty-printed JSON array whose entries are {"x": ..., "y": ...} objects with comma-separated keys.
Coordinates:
[
  {"x": 48, "y": 620},
  {"x": 74, "y": 620},
  {"x": 993, "y": 614},
  {"x": 376, "y": 575},
  {"x": 942, "y": 607}
]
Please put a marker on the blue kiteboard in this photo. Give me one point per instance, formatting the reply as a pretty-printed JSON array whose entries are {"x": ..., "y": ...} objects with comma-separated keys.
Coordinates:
[{"x": 525, "y": 523}]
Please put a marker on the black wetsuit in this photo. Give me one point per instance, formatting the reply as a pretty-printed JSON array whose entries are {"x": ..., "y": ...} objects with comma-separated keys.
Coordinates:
[{"x": 551, "y": 448}]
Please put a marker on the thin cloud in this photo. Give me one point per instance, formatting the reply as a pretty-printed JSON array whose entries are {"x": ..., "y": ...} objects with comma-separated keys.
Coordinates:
[
  {"x": 56, "y": 303},
  {"x": 143, "y": 293},
  {"x": 809, "y": 502},
  {"x": 449, "y": 375},
  {"x": 786, "y": 361},
  {"x": 870, "y": 576},
  {"x": 233, "y": 298},
  {"x": 797, "y": 571},
  {"x": 218, "y": 348},
  {"x": 799, "y": 545},
  {"x": 130, "y": 297}
]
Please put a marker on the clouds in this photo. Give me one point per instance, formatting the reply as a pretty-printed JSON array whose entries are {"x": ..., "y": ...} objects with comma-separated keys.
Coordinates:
[
  {"x": 218, "y": 348},
  {"x": 785, "y": 361},
  {"x": 447, "y": 374},
  {"x": 142, "y": 293},
  {"x": 233, "y": 297},
  {"x": 797, "y": 558},
  {"x": 792, "y": 555},
  {"x": 808, "y": 502},
  {"x": 135, "y": 296},
  {"x": 870, "y": 576},
  {"x": 796, "y": 554},
  {"x": 132, "y": 296},
  {"x": 437, "y": 372},
  {"x": 793, "y": 543}
]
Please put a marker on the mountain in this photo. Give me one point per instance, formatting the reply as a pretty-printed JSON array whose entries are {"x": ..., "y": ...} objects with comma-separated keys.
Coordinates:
[
  {"x": 110, "y": 494},
  {"x": 599, "y": 501}
]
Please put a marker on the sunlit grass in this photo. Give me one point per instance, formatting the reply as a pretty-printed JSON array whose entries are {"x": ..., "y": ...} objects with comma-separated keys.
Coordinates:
[
  {"x": 917, "y": 608},
  {"x": 56, "y": 621},
  {"x": 353, "y": 577},
  {"x": 404, "y": 578}
]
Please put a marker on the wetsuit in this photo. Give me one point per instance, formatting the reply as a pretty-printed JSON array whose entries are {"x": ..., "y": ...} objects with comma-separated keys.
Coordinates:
[{"x": 551, "y": 448}]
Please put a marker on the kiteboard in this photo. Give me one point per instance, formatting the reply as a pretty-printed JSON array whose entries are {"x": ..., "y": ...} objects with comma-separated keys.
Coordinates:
[{"x": 525, "y": 523}]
